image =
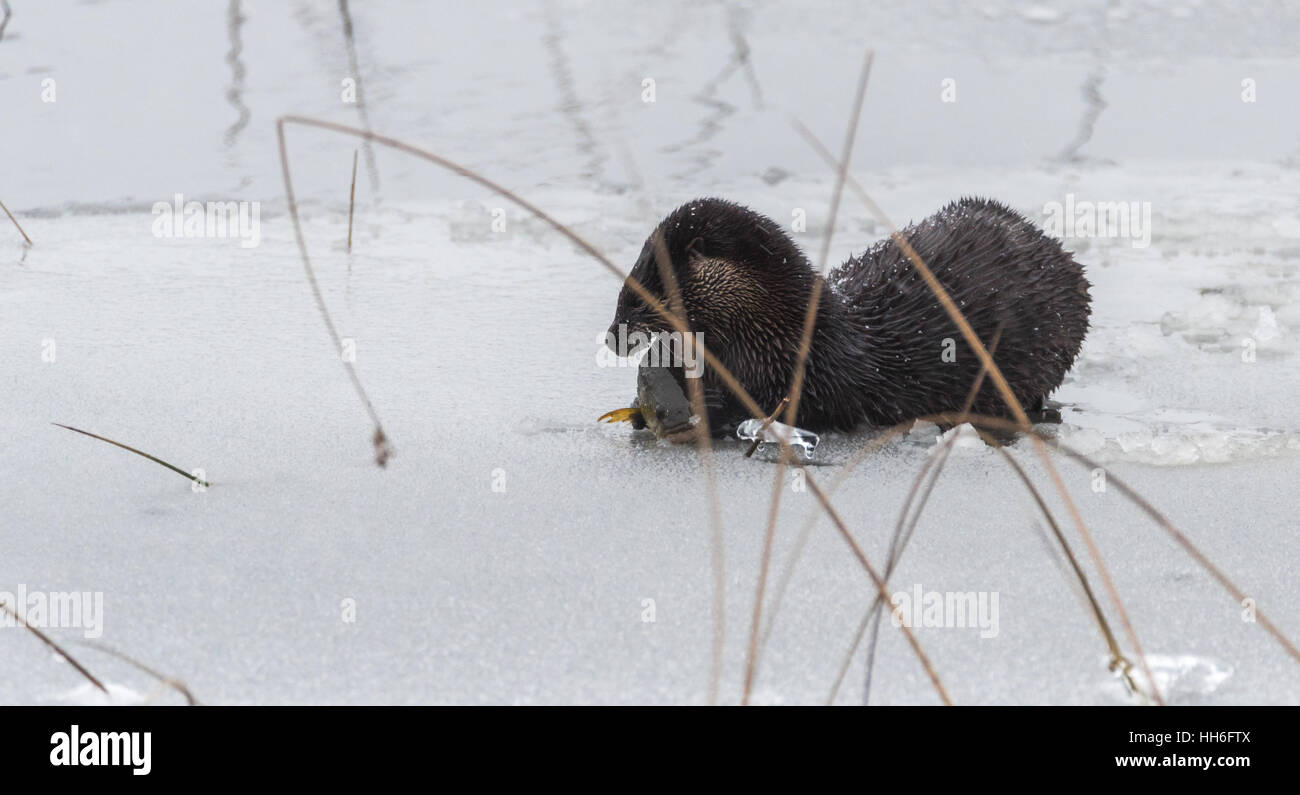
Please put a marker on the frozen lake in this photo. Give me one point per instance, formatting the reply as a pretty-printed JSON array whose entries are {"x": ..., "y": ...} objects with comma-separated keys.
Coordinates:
[{"x": 511, "y": 549}]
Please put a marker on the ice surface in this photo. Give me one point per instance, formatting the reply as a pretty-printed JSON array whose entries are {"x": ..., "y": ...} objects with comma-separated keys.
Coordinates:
[{"x": 514, "y": 551}]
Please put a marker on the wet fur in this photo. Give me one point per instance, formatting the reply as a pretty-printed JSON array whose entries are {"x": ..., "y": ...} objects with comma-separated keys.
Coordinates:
[{"x": 878, "y": 344}]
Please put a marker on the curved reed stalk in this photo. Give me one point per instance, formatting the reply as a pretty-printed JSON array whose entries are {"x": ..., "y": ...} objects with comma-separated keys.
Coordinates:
[
  {"x": 791, "y": 402},
  {"x": 1004, "y": 389},
  {"x": 163, "y": 679},
  {"x": 724, "y": 374},
  {"x": 1150, "y": 510},
  {"x": 56, "y": 648},
  {"x": 205, "y": 484}
]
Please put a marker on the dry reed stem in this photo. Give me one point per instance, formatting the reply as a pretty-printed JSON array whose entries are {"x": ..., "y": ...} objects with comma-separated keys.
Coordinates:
[
  {"x": 380, "y": 439},
  {"x": 59, "y": 650},
  {"x": 16, "y": 224},
  {"x": 704, "y": 443},
  {"x": 723, "y": 373},
  {"x": 796, "y": 385},
  {"x": 1008, "y": 397},
  {"x": 881, "y": 588},
  {"x": 163, "y": 679},
  {"x": 767, "y": 423},
  {"x": 205, "y": 484},
  {"x": 899, "y": 540},
  {"x": 352, "y": 197},
  {"x": 796, "y": 551},
  {"x": 1117, "y": 656},
  {"x": 1159, "y": 518},
  {"x": 903, "y": 530}
]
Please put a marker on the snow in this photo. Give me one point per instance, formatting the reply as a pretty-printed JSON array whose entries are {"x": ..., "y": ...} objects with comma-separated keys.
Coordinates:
[{"x": 513, "y": 549}]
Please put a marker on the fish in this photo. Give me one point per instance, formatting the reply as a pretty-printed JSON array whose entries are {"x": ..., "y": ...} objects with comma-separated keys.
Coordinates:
[{"x": 662, "y": 405}]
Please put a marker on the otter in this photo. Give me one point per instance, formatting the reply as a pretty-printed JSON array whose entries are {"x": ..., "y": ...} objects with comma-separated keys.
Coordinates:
[{"x": 883, "y": 349}]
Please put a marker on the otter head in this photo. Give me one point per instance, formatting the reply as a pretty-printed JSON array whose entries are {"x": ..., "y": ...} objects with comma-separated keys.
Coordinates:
[{"x": 742, "y": 280}]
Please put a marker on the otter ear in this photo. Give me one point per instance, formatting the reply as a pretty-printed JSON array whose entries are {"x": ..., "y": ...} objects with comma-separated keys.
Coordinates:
[{"x": 695, "y": 261}]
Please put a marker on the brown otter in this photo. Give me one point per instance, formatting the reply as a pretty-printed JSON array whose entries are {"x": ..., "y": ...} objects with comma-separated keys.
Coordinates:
[{"x": 883, "y": 349}]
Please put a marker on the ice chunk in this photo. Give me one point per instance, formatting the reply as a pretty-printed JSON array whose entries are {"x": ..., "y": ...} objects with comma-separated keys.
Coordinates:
[
  {"x": 1182, "y": 678},
  {"x": 799, "y": 439}
]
